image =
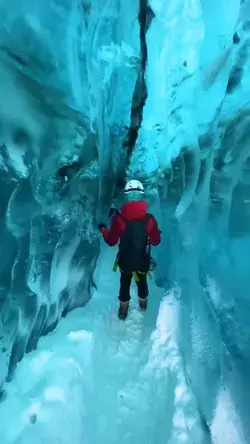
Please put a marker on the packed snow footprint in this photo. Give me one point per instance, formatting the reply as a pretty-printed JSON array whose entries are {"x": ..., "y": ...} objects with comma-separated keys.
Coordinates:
[{"x": 96, "y": 379}]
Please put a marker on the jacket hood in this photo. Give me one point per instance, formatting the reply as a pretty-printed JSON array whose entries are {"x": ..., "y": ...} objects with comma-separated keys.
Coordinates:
[{"x": 134, "y": 210}]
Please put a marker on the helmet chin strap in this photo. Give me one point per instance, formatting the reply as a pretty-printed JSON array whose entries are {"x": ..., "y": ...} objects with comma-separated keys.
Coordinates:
[
  {"x": 133, "y": 189},
  {"x": 135, "y": 195}
]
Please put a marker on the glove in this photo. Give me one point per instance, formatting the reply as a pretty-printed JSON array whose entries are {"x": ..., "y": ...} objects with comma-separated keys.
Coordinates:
[
  {"x": 101, "y": 226},
  {"x": 113, "y": 212}
]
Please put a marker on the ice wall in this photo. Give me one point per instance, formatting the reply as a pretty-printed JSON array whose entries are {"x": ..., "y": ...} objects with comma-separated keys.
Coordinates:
[
  {"x": 195, "y": 135},
  {"x": 68, "y": 72}
]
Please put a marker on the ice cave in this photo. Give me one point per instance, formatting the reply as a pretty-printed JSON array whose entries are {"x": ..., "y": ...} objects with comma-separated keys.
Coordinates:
[{"x": 95, "y": 93}]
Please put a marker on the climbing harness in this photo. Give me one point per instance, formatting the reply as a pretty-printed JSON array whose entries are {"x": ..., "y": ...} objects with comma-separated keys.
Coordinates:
[{"x": 135, "y": 274}]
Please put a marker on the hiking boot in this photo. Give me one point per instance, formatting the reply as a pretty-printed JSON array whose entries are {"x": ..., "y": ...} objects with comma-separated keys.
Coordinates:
[
  {"x": 143, "y": 303},
  {"x": 123, "y": 310}
]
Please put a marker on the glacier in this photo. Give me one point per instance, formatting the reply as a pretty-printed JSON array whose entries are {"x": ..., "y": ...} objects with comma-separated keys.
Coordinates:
[{"x": 93, "y": 93}]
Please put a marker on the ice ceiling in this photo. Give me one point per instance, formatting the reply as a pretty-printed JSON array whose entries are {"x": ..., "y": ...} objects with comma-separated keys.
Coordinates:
[{"x": 97, "y": 91}]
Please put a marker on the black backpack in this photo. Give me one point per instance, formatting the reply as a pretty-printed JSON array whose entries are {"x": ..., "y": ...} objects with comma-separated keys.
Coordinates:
[{"x": 134, "y": 247}]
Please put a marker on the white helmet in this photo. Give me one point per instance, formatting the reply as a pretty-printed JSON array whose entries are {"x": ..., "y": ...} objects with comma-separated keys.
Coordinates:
[{"x": 134, "y": 185}]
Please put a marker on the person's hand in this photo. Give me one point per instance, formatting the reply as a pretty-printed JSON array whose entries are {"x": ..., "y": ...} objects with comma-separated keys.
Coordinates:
[
  {"x": 101, "y": 226},
  {"x": 113, "y": 212}
]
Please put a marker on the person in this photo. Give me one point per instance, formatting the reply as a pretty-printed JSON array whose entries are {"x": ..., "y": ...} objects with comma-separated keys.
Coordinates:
[{"x": 135, "y": 230}]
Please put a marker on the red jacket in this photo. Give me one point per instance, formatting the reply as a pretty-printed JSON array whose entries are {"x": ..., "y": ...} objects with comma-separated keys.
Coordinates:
[{"x": 134, "y": 210}]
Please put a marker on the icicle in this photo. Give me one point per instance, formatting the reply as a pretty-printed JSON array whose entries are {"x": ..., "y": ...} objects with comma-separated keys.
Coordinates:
[{"x": 189, "y": 192}]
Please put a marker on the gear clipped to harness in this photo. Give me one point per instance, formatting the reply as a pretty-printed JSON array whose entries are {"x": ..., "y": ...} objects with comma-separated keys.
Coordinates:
[{"x": 152, "y": 264}]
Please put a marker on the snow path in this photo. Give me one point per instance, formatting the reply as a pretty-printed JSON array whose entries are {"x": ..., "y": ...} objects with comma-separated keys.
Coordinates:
[{"x": 97, "y": 380}]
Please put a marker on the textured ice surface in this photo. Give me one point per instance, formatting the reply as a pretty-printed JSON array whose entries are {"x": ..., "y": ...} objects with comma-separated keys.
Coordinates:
[
  {"x": 98, "y": 380},
  {"x": 62, "y": 67},
  {"x": 92, "y": 93}
]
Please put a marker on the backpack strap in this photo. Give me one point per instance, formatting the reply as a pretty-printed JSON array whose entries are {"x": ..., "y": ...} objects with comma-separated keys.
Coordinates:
[{"x": 147, "y": 218}]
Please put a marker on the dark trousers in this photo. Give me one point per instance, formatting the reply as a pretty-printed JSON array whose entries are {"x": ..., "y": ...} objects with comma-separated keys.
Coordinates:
[{"x": 125, "y": 283}]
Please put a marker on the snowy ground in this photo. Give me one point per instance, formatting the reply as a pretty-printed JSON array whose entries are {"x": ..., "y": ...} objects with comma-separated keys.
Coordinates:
[{"x": 97, "y": 380}]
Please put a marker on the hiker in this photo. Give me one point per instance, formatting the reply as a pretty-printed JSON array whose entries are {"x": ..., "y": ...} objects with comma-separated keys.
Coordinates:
[{"x": 136, "y": 230}]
